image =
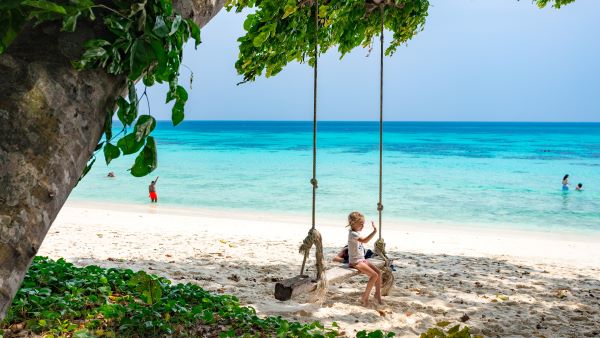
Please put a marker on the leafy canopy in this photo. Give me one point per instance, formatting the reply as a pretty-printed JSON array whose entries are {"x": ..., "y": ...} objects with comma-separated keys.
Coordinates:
[
  {"x": 555, "y": 3},
  {"x": 282, "y": 31}
]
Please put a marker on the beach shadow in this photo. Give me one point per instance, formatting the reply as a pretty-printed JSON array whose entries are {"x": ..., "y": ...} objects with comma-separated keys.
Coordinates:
[{"x": 493, "y": 296}]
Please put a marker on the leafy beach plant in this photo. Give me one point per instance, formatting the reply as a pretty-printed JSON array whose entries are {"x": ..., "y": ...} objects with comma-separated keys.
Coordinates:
[{"x": 59, "y": 299}]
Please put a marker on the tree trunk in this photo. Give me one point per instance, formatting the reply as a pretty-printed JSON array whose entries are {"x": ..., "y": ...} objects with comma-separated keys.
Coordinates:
[{"x": 51, "y": 119}]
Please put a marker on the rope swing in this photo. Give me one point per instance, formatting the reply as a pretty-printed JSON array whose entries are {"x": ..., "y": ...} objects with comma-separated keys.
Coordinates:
[
  {"x": 387, "y": 275},
  {"x": 286, "y": 289},
  {"x": 314, "y": 237}
]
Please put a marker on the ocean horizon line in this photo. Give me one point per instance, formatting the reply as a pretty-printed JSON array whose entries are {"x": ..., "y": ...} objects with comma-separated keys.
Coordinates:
[{"x": 388, "y": 121}]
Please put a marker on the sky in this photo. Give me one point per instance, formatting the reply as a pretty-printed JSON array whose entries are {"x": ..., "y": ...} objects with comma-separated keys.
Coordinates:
[{"x": 475, "y": 60}]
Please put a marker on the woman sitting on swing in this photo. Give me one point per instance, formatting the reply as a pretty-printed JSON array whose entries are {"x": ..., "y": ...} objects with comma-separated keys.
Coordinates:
[{"x": 356, "y": 253}]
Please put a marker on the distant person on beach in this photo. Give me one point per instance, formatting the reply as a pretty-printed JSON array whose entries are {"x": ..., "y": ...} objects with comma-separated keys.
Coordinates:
[
  {"x": 356, "y": 256},
  {"x": 111, "y": 174},
  {"x": 152, "y": 191},
  {"x": 565, "y": 183},
  {"x": 579, "y": 187}
]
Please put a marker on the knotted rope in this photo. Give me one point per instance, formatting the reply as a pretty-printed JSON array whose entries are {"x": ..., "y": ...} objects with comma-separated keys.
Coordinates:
[
  {"x": 387, "y": 275},
  {"x": 314, "y": 238}
]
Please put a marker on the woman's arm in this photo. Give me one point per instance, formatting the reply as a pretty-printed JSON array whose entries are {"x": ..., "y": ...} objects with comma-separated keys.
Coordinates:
[{"x": 368, "y": 238}]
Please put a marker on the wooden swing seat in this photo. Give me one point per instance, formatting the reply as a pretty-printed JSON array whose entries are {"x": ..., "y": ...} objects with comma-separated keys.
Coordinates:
[{"x": 291, "y": 287}]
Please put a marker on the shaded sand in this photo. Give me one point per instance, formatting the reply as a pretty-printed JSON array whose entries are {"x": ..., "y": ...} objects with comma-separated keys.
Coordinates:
[{"x": 503, "y": 283}]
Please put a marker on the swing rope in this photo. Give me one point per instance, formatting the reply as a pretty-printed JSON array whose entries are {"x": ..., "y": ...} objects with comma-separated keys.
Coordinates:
[
  {"x": 314, "y": 237},
  {"x": 387, "y": 275}
]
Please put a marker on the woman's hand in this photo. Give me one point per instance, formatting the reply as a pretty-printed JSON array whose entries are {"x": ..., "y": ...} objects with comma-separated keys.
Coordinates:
[{"x": 373, "y": 225}]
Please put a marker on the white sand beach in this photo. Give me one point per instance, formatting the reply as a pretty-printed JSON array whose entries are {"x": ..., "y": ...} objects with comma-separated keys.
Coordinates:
[{"x": 500, "y": 282}]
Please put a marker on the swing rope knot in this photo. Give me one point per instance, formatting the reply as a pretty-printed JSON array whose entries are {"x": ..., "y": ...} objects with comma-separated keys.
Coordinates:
[
  {"x": 387, "y": 275},
  {"x": 379, "y": 207},
  {"x": 314, "y": 238},
  {"x": 314, "y": 182}
]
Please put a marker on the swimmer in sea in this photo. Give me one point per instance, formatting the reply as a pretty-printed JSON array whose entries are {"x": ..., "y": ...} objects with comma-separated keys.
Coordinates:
[{"x": 565, "y": 183}]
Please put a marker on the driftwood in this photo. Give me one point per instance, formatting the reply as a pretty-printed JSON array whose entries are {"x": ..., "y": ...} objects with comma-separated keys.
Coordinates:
[{"x": 291, "y": 287}]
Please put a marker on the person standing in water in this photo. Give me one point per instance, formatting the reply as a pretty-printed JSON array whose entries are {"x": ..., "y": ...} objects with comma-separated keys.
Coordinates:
[
  {"x": 565, "y": 183},
  {"x": 152, "y": 190},
  {"x": 579, "y": 187}
]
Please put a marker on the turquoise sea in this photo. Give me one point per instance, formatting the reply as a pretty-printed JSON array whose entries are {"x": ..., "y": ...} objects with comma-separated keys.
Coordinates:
[{"x": 491, "y": 174}]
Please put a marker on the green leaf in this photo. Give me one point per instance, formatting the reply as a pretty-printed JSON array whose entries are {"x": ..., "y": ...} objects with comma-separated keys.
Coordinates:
[
  {"x": 195, "y": 30},
  {"x": 94, "y": 53},
  {"x": 208, "y": 317},
  {"x": 160, "y": 27},
  {"x": 129, "y": 145},
  {"x": 13, "y": 21},
  {"x": 144, "y": 126},
  {"x": 133, "y": 98},
  {"x": 181, "y": 94},
  {"x": 46, "y": 6},
  {"x": 454, "y": 329},
  {"x": 127, "y": 112},
  {"x": 175, "y": 25},
  {"x": 167, "y": 6},
  {"x": 171, "y": 95},
  {"x": 289, "y": 9},
  {"x": 260, "y": 39},
  {"x": 146, "y": 161},
  {"x": 70, "y": 22},
  {"x": 141, "y": 55},
  {"x": 118, "y": 25},
  {"x": 250, "y": 22},
  {"x": 177, "y": 113},
  {"x": 87, "y": 168},
  {"x": 148, "y": 80},
  {"x": 94, "y": 43},
  {"x": 111, "y": 152},
  {"x": 161, "y": 57}
]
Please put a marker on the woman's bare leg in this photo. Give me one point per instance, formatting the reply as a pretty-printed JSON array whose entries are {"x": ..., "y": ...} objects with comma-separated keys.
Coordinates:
[
  {"x": 378, "y": 283},
  {"x": 373, "y": 276}
]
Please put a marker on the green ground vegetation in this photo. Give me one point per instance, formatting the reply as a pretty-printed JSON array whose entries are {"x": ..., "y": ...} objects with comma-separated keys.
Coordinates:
[{"x": 58, "y": 299}]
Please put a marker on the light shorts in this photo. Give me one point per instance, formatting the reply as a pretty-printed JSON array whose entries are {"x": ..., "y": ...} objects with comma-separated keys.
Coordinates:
[{"x": 353, "y": 265}]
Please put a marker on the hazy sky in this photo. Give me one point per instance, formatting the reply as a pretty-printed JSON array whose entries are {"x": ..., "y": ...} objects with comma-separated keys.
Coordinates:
[{"x": 476, "y": 60}]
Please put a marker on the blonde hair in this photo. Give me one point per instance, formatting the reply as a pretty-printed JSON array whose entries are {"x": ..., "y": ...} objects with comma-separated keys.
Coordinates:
[{"x": 355, "y": 217}]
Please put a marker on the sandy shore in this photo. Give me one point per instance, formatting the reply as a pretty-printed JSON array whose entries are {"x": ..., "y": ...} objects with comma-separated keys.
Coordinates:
[{"x": 508, "y": 283}]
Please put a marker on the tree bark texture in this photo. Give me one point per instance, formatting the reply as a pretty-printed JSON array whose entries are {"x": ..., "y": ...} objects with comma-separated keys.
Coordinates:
[{"x": 51, "y": 119}]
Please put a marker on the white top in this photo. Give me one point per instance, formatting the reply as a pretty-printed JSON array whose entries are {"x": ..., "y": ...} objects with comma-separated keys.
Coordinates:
[{"x": 355, "y": 248}]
